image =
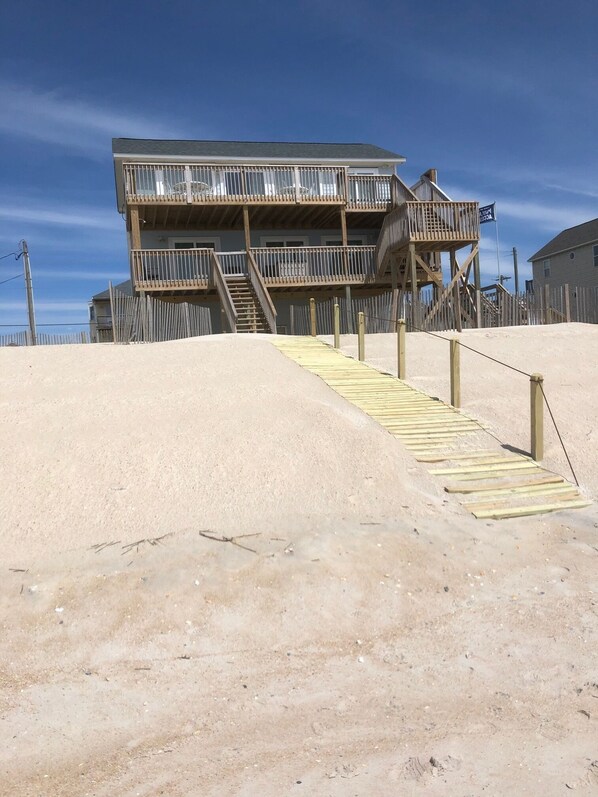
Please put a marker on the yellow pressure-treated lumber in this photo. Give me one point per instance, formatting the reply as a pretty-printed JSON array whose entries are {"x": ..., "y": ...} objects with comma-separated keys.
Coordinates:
[
  {"x": 563, "y": 489},
  {"x": 476, "y": 468},
  {"x": 525, "y": 511},
  {"x": 476, "y": 487}
]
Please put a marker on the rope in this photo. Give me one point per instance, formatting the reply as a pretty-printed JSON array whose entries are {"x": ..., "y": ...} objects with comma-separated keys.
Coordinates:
[
  {"x": 505, "y": 365},
  {"x": 556, "y": 428}
]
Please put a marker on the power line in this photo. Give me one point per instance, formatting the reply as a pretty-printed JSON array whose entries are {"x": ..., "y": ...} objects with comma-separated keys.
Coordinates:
[
  {"x": 11, "y": 278},
  {"x": 16, "y": 255}
]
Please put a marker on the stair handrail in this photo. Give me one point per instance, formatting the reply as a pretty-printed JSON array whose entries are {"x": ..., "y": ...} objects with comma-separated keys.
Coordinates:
[
  {"x": 397, "y": 221},
  {"x": 218, "y": 281},
  {"x": 261, "y": 292}
]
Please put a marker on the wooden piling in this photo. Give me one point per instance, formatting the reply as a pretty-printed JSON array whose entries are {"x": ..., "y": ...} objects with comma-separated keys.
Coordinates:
[
  {"x": 537, "y": 416},
  {"x": 337, "y": 326},
  {"x": 401, "y": 373},
  {"x": 567, "y": 303},
  {"x": 312, "y": 318},
  {"x": 455, "y": 373},
  {"x": 361, "y": 336}
]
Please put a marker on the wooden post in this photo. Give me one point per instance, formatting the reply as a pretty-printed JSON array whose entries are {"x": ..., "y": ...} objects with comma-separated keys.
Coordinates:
[
  {"x": 247, "y": 231},
  {"x": 401, "y": 373},
  {"x": 477, "y": 281},
  {"x": 361, "y": 336},
  {"x": 412, "y": 267},
  {"x": 312, "y": 317},
  {"x": 456, "y": 292},
  {"x": 567, "y": 303},
  {"x": 455, "y": 373},
  {"x": 394, "y": 282},
  {"x": 516, "y": 271},
  {"x": 547, "y": 304},
  {"x": 292, "y": 318},
  {"x": 537, "y": 416},
  {"x": 135, "y": 227},
  {"x": 337, "y": 326},
  {"x": 349, "y": 312},
  {"x": 111, "y": 295}
]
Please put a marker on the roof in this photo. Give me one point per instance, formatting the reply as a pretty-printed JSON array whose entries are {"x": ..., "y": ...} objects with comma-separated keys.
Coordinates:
[
  {"x": 570, "y": 238},
  {"x": 124, "y": 287},
  {"x": 261, "y": 150}
]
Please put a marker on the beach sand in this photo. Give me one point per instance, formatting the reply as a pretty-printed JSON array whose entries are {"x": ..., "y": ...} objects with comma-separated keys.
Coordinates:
[{"x": 375, "y": 639}]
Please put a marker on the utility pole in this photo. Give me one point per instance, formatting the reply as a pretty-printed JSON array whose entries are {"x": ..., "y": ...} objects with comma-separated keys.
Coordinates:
[
  {"x": 515, "y": 270},
  {"x": 29, "y": 289}
]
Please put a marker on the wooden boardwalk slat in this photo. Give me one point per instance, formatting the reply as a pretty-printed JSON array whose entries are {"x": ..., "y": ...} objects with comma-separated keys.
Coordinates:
[{"x": 487, "y": 481}]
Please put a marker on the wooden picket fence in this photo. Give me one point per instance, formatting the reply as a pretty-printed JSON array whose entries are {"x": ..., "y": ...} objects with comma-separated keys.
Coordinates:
[
  {"x": 142, "y": 319},
  {"x": 23, "y": 338},
  {"x": 498, "y": 308}
]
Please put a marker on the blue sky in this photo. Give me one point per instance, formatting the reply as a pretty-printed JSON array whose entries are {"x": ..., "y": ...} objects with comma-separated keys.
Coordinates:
[{"x": 499, "y": 97}]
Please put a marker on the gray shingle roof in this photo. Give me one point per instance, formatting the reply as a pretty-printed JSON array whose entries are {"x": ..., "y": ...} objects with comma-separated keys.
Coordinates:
[
  {"x": 569, "y": 239},
  {"x": 251, "y": 149},
  {"x": 124, "y": 287}
]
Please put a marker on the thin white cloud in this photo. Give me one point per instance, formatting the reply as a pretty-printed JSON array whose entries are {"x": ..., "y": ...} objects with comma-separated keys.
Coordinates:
[
  {"x": 91, "y": 275},
  {"x": 543, "y": 215},
  {"x": 58, "y": 306},
  {"x": 91, "y": 217},
  {"x": 54, "y": 118}
]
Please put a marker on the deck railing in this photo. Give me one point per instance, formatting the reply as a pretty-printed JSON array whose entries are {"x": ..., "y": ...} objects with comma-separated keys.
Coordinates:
[
  {"x": 206, "y": 184},
  {"x": 217, "y": 184},
  {"x": 421, "y": 222},
  {"x": 368, "y": 192},
  {"x": 315, "y": 265},
  {"x": 443, "y": 221},
  {"x": 174, "y": 268},
  {"x": 165, "y": 269}
]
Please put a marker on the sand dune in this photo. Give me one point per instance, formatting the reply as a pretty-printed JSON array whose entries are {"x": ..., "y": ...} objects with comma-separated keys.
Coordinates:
[{"x": 375, "y": 640}]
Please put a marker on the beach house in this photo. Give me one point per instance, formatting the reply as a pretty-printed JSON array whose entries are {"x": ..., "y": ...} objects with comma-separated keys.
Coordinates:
[
  {"x": 570, "y": 258},
  {"x": 248, "y": 228}
]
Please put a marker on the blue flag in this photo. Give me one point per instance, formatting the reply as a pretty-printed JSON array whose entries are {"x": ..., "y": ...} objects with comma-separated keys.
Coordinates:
[{"x": 488, "y": 213}]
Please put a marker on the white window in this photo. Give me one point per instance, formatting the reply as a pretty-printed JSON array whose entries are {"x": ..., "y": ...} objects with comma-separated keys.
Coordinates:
[
  {"x": 194, "y": 243},
  {"x": 546, "y": 267},
  {"x": 595, "y": 251}
]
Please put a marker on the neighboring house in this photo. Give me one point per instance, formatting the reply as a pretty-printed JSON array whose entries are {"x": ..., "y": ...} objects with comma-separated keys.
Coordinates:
[
  {"x": 100, "y": 313},
  {"x": 571, "y": 258},
  {"x": 249, "y": 228}
]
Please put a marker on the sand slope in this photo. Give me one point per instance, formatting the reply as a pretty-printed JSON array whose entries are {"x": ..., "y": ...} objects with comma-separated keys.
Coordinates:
[{"x": 376, "y": 640}]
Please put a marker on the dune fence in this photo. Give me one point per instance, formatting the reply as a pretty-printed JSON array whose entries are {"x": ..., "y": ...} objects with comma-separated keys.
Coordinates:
[
  {"x": 24, "y": 338},
  {"x": 141, "y": 319},
  {"x": 493, "y": 307}
]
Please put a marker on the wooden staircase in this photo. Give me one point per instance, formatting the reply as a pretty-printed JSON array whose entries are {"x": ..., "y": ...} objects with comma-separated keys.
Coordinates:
[{"x": 250, "y": 316}]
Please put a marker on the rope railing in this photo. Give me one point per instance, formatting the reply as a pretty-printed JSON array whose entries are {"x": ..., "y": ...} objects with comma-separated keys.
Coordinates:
[{"x": 536, "y": 380}]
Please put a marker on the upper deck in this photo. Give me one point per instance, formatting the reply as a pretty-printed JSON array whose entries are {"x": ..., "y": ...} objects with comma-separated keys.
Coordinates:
[{"x": 225, "y": 184}]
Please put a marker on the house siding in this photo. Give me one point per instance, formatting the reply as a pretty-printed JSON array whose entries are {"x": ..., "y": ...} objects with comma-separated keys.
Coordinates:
[
  {"x": 234, "y": 240},
  {"x": 579, "y": 272}
]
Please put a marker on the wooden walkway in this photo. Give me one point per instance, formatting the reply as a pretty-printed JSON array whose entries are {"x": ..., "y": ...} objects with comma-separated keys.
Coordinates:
[{"x": 490, "y": 483}]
